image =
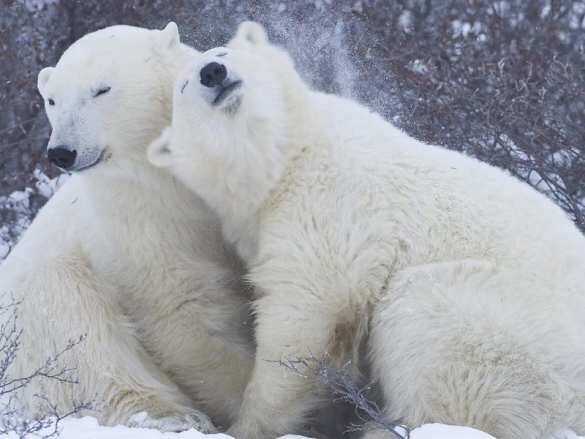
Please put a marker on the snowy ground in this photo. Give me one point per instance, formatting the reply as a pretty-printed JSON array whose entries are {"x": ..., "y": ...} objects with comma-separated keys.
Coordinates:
[{"x": 88, "y": 428}]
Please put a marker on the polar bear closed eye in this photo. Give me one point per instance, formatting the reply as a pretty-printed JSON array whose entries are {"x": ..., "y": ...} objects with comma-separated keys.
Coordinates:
[{"x": 355, "y": 233}]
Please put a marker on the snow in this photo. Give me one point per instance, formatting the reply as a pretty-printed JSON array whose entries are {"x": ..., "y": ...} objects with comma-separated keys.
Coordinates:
[
  {"x": 439, "y": 431},
  {"x": 4, "y": 248},
  {"x": 405, "y": 21},
  {"x": 464, "y": 29},
  {"x": 88, "y": 428},
  {"x": 19, "y": 203},
  {"x": 418, "y": 66},
  {"x": 48, "y": 186},
  {"x": 37, "y": 5}
]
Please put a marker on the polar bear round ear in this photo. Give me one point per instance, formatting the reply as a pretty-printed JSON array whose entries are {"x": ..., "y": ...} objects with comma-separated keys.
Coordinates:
[
  {"x": 43, "y": 78},
  {"x": 250, "y": 32},
  {"x": 169, "y": 36},
  {"x": 159, "y": 151}
]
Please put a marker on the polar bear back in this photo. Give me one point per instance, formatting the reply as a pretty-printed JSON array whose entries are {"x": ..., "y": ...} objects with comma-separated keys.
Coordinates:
[{"x": 463, "y": 207}]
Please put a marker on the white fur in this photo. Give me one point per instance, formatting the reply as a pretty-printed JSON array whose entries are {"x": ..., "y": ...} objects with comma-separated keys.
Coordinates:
[
  {"x": 125, "y": 255},
  {"x": 468, "y": 284}
]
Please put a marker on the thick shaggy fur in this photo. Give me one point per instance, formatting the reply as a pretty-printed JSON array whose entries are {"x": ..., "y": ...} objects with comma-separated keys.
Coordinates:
[
  {"x": 467, "y": 285},
  {"x": 125, "y": 255}
]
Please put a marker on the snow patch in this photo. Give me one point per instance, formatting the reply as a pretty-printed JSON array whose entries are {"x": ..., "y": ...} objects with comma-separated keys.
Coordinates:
[
  {"x": 405, "y": 21},
  {"x": 439, "y": 431},
  {"x": 4, "y": 248},
  {"x": 418, "y": 66},
  {"x": 88, "y": 428},
  {"x": 465, "y": 29},
  {"x": 19, "y": 202},
  {"x": 37, "y": 5},
  {"x": 48, "y": 186}
]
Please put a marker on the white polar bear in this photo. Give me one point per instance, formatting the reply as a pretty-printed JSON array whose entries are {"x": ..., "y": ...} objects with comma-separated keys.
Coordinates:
[
  {"x": 124, "y": 254},
  {"x": 466, "y": 284}
]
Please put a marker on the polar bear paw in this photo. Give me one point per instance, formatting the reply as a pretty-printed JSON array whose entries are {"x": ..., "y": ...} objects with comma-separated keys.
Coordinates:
[{"x": 194, "y": 419}]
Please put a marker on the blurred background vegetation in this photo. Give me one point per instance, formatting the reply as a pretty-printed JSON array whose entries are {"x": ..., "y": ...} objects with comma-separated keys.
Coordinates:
[{"x": 503, "y": 81}]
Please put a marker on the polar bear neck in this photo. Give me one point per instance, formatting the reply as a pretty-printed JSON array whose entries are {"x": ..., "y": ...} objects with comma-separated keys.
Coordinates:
[
  {"x": 130, "y": 181},
  {"x": 251, "y": 186},
  {"x": 244, "y": 185}
]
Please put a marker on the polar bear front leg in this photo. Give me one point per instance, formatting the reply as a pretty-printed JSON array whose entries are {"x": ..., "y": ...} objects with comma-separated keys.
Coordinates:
[
  {"x": 291, "y": 326},
  {"x": 66, "y": 300}
]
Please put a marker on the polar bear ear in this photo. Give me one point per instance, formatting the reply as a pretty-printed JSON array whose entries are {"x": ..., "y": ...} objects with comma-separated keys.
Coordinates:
[
  {"x": 43, "y": 78},
  {"x": 169, "y": 37},
  {"x": 250, "y": 32},
  {"x": 159, "y": 151}
]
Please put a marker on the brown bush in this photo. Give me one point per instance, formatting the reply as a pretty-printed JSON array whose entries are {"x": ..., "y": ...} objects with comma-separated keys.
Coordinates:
[{"x": 502, "y": 81}]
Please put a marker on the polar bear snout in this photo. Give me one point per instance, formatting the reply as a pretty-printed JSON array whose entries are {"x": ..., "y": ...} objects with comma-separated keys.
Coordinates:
[
  {"x": 75, "y": 159},
  {"x": 219, "y": 84},
  {"x": 62, "y": 156},
  {"x": 213, "y": 74}
]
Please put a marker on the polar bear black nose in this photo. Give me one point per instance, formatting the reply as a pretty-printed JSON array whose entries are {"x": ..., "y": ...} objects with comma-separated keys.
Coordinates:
[
  {"x": 213, "y": 74},
  {"x": 62, "y": 156}
]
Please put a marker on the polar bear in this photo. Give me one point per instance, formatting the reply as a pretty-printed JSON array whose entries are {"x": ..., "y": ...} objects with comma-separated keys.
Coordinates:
[
  {"x": 125, "y": 255},
  {"x": 466, "y": 285}
]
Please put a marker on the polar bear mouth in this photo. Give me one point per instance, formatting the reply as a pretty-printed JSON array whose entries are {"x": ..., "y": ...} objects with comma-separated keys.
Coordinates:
[
  {"x": 85, "y": 166},
  {"x": 225, "y": 91}
]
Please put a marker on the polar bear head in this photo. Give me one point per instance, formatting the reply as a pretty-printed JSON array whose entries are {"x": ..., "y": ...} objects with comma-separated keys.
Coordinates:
[
  {"x": 110, "y": 94},
  {"x": 236, "y": 113}
]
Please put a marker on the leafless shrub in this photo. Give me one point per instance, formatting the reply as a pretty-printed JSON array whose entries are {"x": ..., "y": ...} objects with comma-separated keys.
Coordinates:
[
  {"x": 339, "y": 381},
  {"x": 502, "y": 81},
  {"x": 12, "y": 420}
]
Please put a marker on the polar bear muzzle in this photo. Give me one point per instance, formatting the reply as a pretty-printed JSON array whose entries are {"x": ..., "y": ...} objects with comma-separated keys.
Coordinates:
[
  {"x": 62, "y": 156},
  {"x": 74, "y": 160},
  {"x": 214, "y": 76}
]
